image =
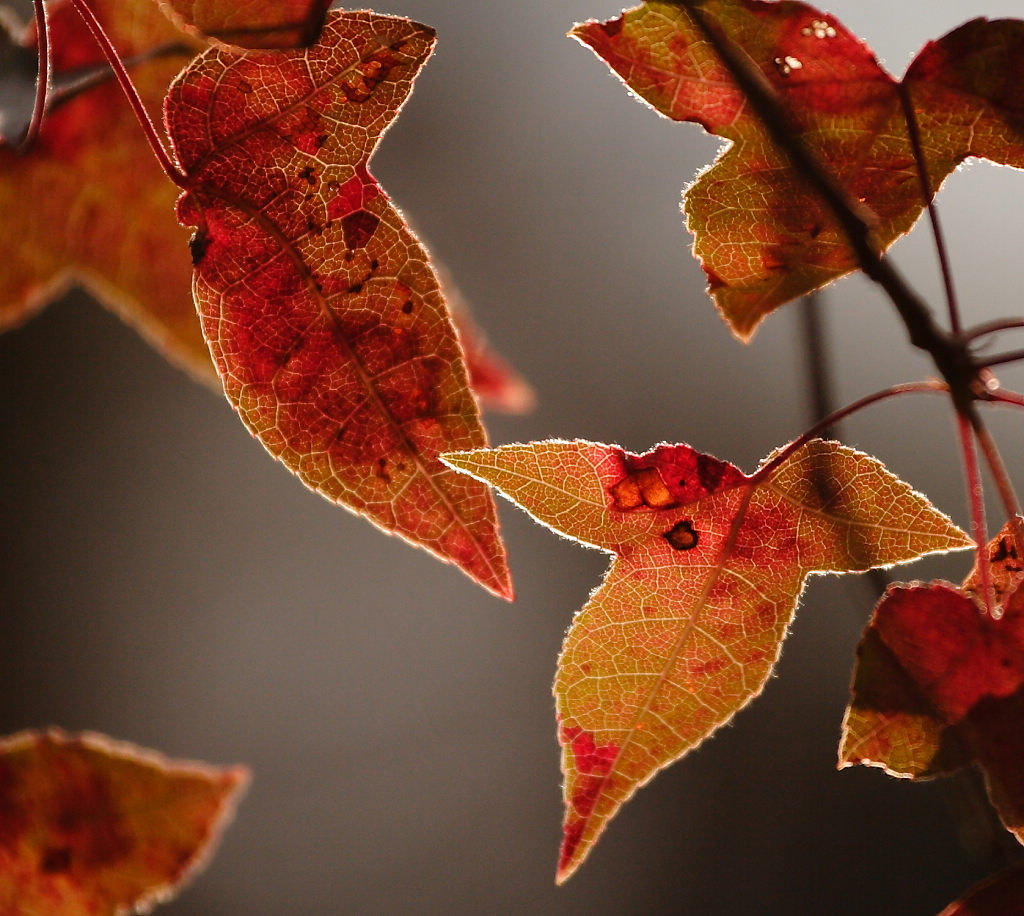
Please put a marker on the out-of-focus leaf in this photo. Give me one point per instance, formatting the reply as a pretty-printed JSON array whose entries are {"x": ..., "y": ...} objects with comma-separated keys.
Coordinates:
[
  {"x": 323, "y": 314},
  {"x": 92, "y": 827},
  {"x": 252, "y": 23},
  {"x": 1000, "y": 895},
  {"x": 940, "y": 684},
  {"x": 708, "y": 566},
  {"x": 89, "y": 203},
  {"x": 763, "y": 238}
]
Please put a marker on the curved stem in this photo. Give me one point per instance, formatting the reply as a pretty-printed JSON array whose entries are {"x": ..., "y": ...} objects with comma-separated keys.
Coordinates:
[
  {"x": 931, "y": 386},
  {"x": 992, "y": 327},
  {"x": 1012, "y": 357},
  {"x": 933, "y": 214},
  {"x": 976, "y": 503},
  {"x": 148, "y": 128},
  {"x": 42, "y": 77}
]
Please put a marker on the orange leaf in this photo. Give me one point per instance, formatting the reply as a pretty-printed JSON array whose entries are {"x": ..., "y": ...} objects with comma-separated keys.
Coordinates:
[
  {"x": 322, "y": 312},
  {"x": 267, "y": 24},
  {"x": 763, "y": 238},
  {"x": 940, "y": 684},
  {"x": 89, "y": 204},
  {"x": 708, "y": 566},
  {"x": 91, "y": 827}
]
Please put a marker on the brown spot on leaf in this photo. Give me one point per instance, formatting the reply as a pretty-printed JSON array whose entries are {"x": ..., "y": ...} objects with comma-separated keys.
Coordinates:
[
  {"x": 197, "y": 246},
  {"x": 56, "y": 859},
  {"x": 682, "y": 536},
  {"x": 358, "y": 228},
  {"x": 643, "y": 487}
]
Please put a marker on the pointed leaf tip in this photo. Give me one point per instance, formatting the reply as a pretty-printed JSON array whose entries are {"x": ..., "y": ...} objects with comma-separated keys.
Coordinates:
[
  {"x": 325, "y": 320},
  {"x": 708, "y": 566}
]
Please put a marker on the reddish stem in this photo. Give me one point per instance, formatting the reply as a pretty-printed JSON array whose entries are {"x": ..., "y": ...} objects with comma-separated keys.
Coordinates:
[
  {"x": 1004, "y": 396},
  {"x": 841, "y": 414},
  {"x": 1012, "y": 357},
  {"x": 976, "y": 503},
  {"x": 128, "y": 87},
  {"x": 992, "y": 327},
  {"x": 42, "y": 77},
  {"x": 933, "y": 214}
]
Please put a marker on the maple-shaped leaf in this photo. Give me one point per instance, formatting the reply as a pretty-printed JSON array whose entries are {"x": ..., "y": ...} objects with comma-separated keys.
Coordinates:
[
  {"x": 321, "y": 309},
  {"x": 708, "y": 565},
  {"x": 940, "y": 684},
  {"x": 1000, "y": 895},
  {"x": 89, "y": 203},
  {"x": 93, "y": 827},
  {"x": 762, "y": 236},
  {"x": 259, "y": 24}
]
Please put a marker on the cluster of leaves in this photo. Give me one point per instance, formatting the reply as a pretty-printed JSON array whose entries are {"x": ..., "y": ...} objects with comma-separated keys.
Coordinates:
[{"x": 332, "y": 339}]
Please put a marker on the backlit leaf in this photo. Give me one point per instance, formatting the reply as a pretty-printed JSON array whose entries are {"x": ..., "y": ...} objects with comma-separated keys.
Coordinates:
[
  {"x": 708, "y": 566},
  {"x": 1000, "y": 895},
  {"x": 251, "y": 24},
  {"x": 321, "y": 309},
  {"x": 91, "y": 827},
  {"x": 940, "y": 684},
  {"x": 761, "y": 235},
  {"x": 89, "y": 204}
]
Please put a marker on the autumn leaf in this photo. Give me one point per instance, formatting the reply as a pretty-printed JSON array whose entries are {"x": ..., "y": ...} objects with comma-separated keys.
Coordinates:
[
  {"x": 708, "y": 566},
  {"x": 939, "y": 683},
  {"x": 89, "y": 204},
  {"x": 321, "y": 309},
  {"x": 263, "y": 24},
  {"x": 93, "y": 827},
  {"x": 762, "y": 236},
  {"x": 1000, "y": 895}
]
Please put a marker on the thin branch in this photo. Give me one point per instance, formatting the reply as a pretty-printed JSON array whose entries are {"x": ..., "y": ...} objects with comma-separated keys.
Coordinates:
[
  {"x": 992, "y": 327},
  {"x": 43, "y": 76},
  {"x": 1001, "y": 359},
  {"x": 819, "y": 376},
  {"x": 148, "y": 128},
  {"x": 999, "y": 395},
  {"x": 928, "y": 195},
  {"x": 930, "y": 386},
  {"x": 976, "y": 503}
]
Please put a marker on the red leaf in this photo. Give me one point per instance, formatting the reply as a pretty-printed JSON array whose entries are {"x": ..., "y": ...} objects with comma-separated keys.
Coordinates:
[
  {"x": 708, "y": 566},
  {"x": 89, "y": 204},
  {"x": 322, "y": 313},
  {"x": 1000, "y": 895},
  {"x": 761, "y": 235},
  {"x": 266, "y": 24},
  {"x": 940, "y": 684},
  {"x": 89, "y": 826}
]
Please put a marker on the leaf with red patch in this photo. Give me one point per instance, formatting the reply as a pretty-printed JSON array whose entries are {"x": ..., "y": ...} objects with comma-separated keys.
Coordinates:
[
  {"x": 88, "y": 203},
  {"x": 1000, "y": 895},
  {"x": 92, "y": 827},
  {"x": 763, "y": 238},
  {"x": 266, "y": 24},
  {"x": 708, "y": 566},
  {"x": 321, "y": 309},
  {"x": 940, "y": 684}
]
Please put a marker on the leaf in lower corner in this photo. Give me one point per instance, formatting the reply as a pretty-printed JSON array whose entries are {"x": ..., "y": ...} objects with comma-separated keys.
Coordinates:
[
  {"x": 88, "y": 203},
  {"x": 1000, "y": 895},
  {"x": 323, "y": 314},
  {"x": 708, "y": 566},
  {"x": 939, "y": 684},
  {"x": 761, "y": 235},
  {"x": 89, "y": 826}
]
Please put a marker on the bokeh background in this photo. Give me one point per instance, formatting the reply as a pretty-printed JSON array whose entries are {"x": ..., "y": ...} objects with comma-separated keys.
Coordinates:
[{"x": 163, "y": 581}]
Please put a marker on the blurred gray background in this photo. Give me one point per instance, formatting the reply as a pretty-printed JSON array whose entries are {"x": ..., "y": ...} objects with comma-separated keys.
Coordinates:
[{"x": 164, "y": 581}]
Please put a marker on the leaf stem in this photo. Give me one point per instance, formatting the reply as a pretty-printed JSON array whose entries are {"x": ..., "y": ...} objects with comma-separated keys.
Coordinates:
[
  {"x": 42, "y": 77},
  {"x": 976, "y": 503},
  {"x": 816, "y": 357},
  {"x": 128, "y": 87},
  {"x": 992, "y": 327},
  {"x": 832, "y": 419},
  {"x": 1012, "y": 357},
  {"x": 928, "y": 196}
]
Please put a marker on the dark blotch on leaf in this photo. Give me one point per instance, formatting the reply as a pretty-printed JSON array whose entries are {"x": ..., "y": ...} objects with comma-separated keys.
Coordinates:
[
  {"x": 197, "y": 245},
  {"x": 358, "y": 228},
  {"x": 56, "y": 859},
  {"x": 682, "y": 536}
]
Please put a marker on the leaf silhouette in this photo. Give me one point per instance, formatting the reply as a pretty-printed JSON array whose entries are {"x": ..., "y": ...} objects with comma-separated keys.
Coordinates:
[
  {"x": 1000, "y": 895},
  {"x": 321, "y": 309},
  {"x": 89, "y": 204},
  {"x": 263, "y": 24},
  {"x": 708, "y": 566},
  {"x": 940, "y": 684},
  {"x": 763, "y": 238},
  {"x": 92, "y": 827}
]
